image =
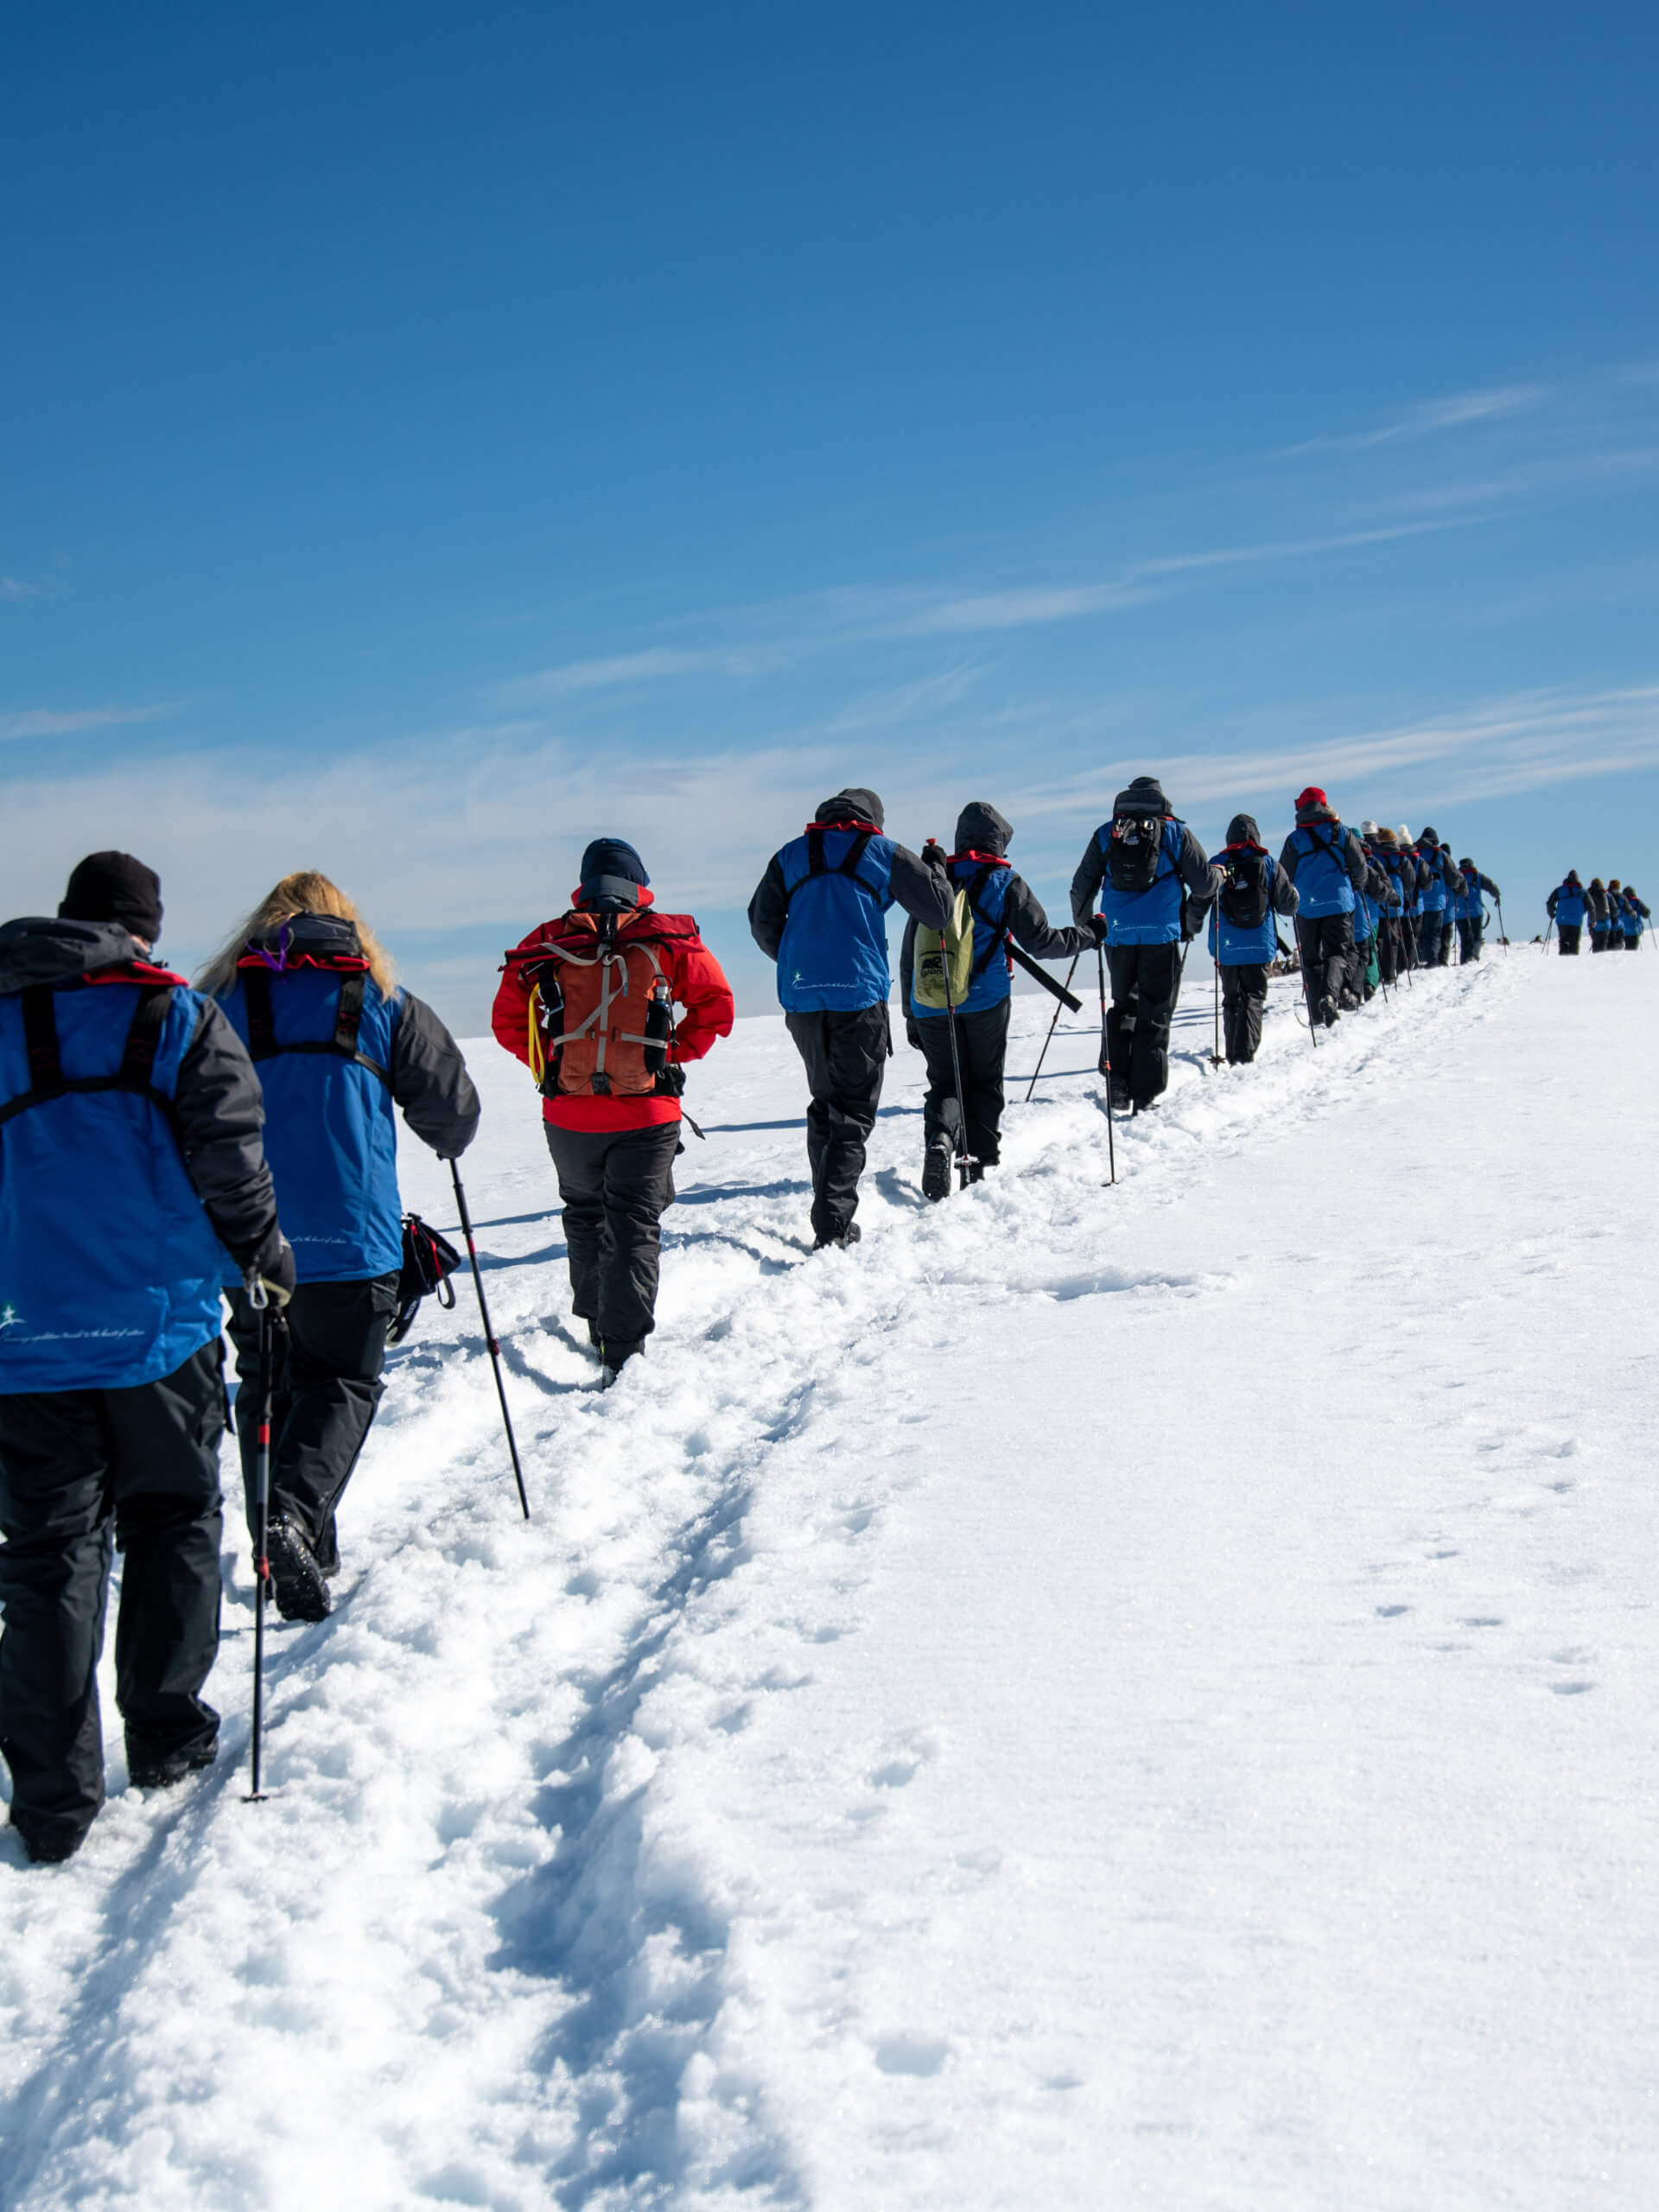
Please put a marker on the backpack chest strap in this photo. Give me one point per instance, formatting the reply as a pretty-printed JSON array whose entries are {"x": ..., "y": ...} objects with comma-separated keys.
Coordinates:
[
  {"x": 348, "y": 1017},
  {"x": 135, "y": 1072}
]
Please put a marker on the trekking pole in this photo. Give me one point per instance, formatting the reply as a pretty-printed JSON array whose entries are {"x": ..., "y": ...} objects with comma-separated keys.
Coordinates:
[
  {"x": 1215, "y": 1053},
  {"x": 1049, "y": 1039},
  {"x": 1502, "y": 934},
  {"x": 1106, "y": 1064},
  {"x": 1549, "y": 932},
  {"x": 1307, "y": 1000},
  {"x": 964, "y": 1160},
  {"x": 259, "y": 1299},
  {"x": 489, "y": 1334}
]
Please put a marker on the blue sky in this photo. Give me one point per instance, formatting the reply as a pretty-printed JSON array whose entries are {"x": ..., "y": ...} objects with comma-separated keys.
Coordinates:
[{"x": 432, "y": 436}]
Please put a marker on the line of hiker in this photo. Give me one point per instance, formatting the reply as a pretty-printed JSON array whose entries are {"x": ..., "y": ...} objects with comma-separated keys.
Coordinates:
[
  {"x": 166, "y": 1149},
  {"x": 1617, "y": 916}
]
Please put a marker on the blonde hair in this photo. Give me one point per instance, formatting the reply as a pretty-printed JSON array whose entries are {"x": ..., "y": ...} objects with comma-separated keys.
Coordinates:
[{"x": 307, "y": 891}]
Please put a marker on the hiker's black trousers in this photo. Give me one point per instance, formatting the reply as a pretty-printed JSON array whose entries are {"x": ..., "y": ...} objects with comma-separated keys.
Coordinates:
[
  {"x": 1428, "y": 940},
  {"x": 1145, "y": 980},
  {"x": 615, "y": 1184},
  {"x": 983, "y": 1048},
  {"x": 1469, "y": 937},
  {"x": 83, "y": 1472},
  {"x": 1388, "y": 948},
  {"x": 330, "y": 1347},
  {"x": 1354, "y": 972},
  {"x": 1243, "y": 1001},
  {"x": 1327, "y": 941},
  {"x": 846, "y": 1057}
]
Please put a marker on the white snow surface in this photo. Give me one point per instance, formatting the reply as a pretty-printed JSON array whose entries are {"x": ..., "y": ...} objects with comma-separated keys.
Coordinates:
[{"x": 1127, "y": 1697}]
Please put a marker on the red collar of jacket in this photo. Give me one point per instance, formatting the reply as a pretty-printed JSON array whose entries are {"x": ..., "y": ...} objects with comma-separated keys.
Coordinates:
[
  {"x": 1245, "y": 846},
  {"x": 135, "y": 971},
  {"x": 985, "y": 859}
]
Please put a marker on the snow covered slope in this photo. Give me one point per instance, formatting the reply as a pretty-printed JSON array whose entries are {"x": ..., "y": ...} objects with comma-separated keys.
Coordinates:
[{"x": 1135, "y": 1697}]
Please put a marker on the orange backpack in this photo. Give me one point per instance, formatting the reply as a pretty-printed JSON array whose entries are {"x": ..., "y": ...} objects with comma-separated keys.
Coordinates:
[{"x": 601, "y": 1009}]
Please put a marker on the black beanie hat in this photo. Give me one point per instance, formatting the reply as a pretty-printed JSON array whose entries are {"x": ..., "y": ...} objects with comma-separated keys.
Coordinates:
[
  {"x": 115, "y": 887},
  {"x": 1144, "y": 796},
  {"x": 612, "y": 872}
]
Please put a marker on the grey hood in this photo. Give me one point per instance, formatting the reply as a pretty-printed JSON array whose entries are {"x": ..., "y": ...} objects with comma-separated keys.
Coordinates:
[
  {"x": 854, "y": 805},
  {"x": 1241, "y": 831},
  {"x": 980, "y": 829},
  {"x": 41, "y": 949}
]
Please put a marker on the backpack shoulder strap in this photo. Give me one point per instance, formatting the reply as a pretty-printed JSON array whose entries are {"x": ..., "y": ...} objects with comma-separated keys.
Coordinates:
[
  {"x": 993, "y": 930},
  {"x": 137, "y": 1064},
  {"x": 40, "y": 1039},
  {"x": 847, "y": 865},
  {"x": 348, "y": 1016}
]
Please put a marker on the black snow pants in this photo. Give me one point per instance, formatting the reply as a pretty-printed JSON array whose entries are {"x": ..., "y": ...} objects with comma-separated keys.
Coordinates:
[
  {"x": 329, "y": 1358},
  {"x": 1388, "y": 948},
  {"x": 1428, "y": 940},
  {"x": 1468, "y": 936},
  {"x": 1327, "y": 941},
  {"x": 846, "y": 1057},
  {"x": 76, "y": 1469},
  {"x": 616, "y": 1185},
  {"x": 1145, "y": 981},
  {"x": 982, "y": 1047},
  {"x": 1355, "y": 990},
  {"x": 1569, "y": 933},
  {"x": 1244, "y": 999}
]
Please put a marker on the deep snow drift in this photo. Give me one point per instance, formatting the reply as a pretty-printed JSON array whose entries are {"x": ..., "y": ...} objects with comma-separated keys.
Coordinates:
[{"x": 1129, "y": 1697}]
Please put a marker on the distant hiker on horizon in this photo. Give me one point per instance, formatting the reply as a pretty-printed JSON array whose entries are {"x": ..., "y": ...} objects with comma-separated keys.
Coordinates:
[
  {"x": 1252, "y": 889},
  {"x": 1000, "y": 905},
  {"x": 1595, "y": 900},
  {"x": 1382, "y": 849},
  {"x": 337, "y": 1044},
  {"x": 1325, "y": 861},
  {"x": 1139, "y": 862},
  {"x": 587, "y": 1002},
  {"x": 132, "y": 1176},
  {"x": 1470, "y": 913},
  {"x": 1636, "y": 917},
  {"x": 820, "y": 911}
]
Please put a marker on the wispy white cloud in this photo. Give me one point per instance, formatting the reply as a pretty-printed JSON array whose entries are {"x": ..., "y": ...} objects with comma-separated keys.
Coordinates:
[
  {"x": 1529, "y": 479},
  {"x": 1430, "y": 417},
  {"x": 45, "y": 721},
  {"x": 17, "y": 590},
  {"x": 545, "y": 686}
]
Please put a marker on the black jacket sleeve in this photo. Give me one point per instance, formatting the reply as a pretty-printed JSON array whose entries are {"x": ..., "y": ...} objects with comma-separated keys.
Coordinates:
[
  {"x": 1486, "y": 884},
  {"x": 1353, "y": 859},
  {"x": 1285, "y": 895},
  {"x": 924, "y": 893},
  {"x": 1549, "y": 903},
  {"x": 1194, "y": 865},
  {"x": 769, "y": 909},
  {"x": 219, "y": 1113},
  {"x": 430, "y": 1080},
  {"x": 1091, "y": 874},
  {"x": 1289, "y": 857},
  {"x": 1029, "y": 926}
]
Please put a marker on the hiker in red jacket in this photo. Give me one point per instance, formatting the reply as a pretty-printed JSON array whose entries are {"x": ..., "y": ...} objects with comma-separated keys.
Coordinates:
[{"x": 586, "y": 1001}]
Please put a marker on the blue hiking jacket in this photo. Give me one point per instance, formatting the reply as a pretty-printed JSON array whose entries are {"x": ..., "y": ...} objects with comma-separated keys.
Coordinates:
[
  {"x": 110, "y": 1270},
  {"x": 1152, "y": 916},
  {"x": 833, "y": 955},
  {"x": 1569, "y": 903},
  {"x": 1321, "y": 871},
  {"x": 987, "y": 886}
]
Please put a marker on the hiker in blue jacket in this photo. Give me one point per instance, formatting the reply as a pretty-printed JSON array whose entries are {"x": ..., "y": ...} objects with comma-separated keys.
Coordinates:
[
  {"x": 1323, "y": 859},
  {"x": 1003, "y": 905},
  {"x": 1370, "y": 900},
  {"x": 1381, "y": 850},
  {"x": 1595, "y": 901},
  {"x": 1251, "y": 889},
  {"x": 1142, "y": 863},
  {"x": 338, "y": 1044},
  {"x": 1440, "y": 883},
  {"x": 1567, "y": 905},
  {"x": 820, "y": 911},
  {"x": 1470, "y": 910},
  {"x": 132, "y": 1179},
  {"x": 1636, "y": 915}
]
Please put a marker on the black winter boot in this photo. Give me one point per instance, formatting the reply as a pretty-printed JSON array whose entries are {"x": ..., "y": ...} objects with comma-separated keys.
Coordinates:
[
  {"x": 301, "y": 1594},
  {"x": 936, "y": 1169}
]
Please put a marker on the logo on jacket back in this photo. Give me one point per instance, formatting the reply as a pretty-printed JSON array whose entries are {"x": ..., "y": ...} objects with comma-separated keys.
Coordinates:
[{"x": 10, "y": 1318}]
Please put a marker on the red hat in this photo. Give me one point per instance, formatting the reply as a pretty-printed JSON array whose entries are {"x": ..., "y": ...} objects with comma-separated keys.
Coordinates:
[{"x": 1312, "y": 797}]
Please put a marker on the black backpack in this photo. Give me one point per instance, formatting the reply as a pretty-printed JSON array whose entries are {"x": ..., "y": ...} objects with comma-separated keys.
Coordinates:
[
  {"x": 1243, "y": 897},
  {"x": 428, "y": 1261},
  {"x": 1133, "y": 851}
]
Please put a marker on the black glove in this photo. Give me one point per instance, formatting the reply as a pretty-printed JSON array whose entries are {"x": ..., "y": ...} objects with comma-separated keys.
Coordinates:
[
  {"x": 913, "y": 1035},
  {"x": 272, "y": 1263},
  {"x": 1098, "y": 928},
  {"x": 933, "y": 854},
  {"x": 671, "y": 1081}
]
